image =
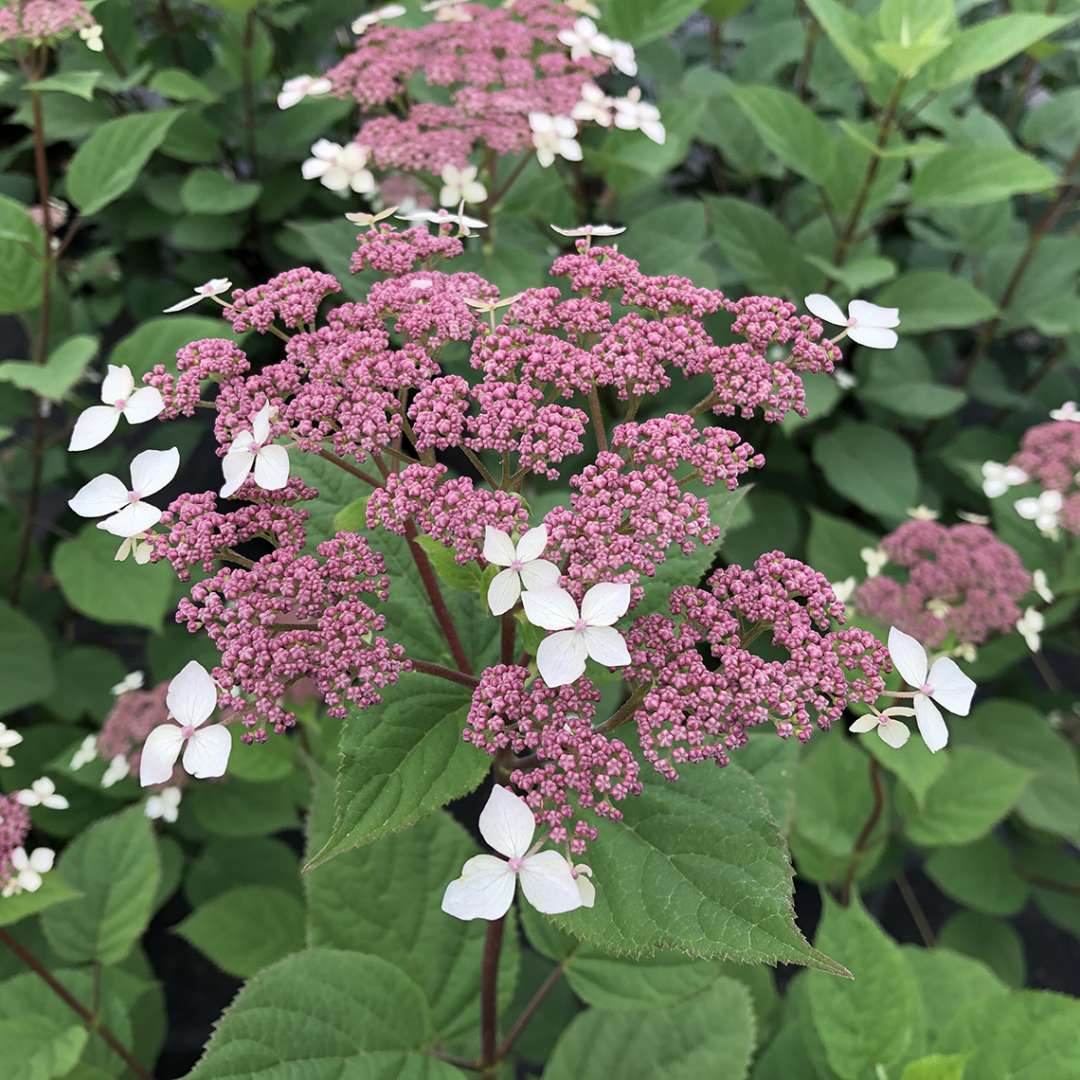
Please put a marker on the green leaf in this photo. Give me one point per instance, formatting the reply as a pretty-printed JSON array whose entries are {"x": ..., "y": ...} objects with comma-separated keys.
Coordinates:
[
  {"x": 42, "y": 1047},
  {"x": 758, "y": 246},
  {"x": 400, "y": 761},
  {"x": 457, "y": 575},
  {"x": 238, "y": 808},
  {"x": 848, "y": 32},
  {"x": 973, "y": 794},
  {"x": 979, "y": 876},
  {"x": 935, "y": 300},
  {"x": 936, "y": 1067},
  {"x": 992, "y": 941},
  {"x": 54, "y": 890},
  {"x": 20, "y": 255},
  {"x": 110, "y": 161},
  {"x": 946, "y": 977},
  {"x": 790, "y": 130},
  {"x": 180, "y": 85},
  {"x": 642, "y": 21},
  {"x": 668, "y": 878},
  {"x": 85, "y": 676},
  {"x": 976, "y": 174},
  {"x": 246, "y": 929},
  {"x": 325, "y": 1015},
  {"x": 79, "y": 83},
  {"x": 848, "y": 1015},
  {"x": 859, "y": 274},
  {"x": 918, "y": 400},
  {"x": 59, "y": 374},
  {"x": 872, "y": 466},
  {"x": 917, "y": 768},
  {"x": 252, "y": 860},
  {"x": 114, "y": 865},
  {"x": 157, "y": 341},
  {"x": 209, "y": 191},
  {"x": 26, "y": 665},
  {"x": 989, "y": 44},
  {"x": 833, "y": 546},
  {"x": 711, "y": 1035},
  {"x": 117, "y": 593}
]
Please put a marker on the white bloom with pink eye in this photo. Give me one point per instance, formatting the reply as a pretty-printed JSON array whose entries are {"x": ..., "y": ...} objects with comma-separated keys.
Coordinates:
[
  {"x": 164, "y": 806},
  {"x": 1041, "y": 585},
  {"x": 998, "y": 478},
  {"x": 578, "y": 635},
  {"x": 444, "y": 217},
  {"x": 28, "y": 870},
  {"x": 554, "y": 136},
  {"x": 208, "y": 290},
  {"x": 460, "y": 186},
  {"x": 591, "y": 230},
  {"x": 129, "y": 513},
  {"x": 120, "y": 398},
  {"x": 252, "y": 450},
  {"x": 42, "y": 792},
  {"x": 387, "y": 11},
  {"x": 1030, "y": 627},
  {"x": 584, "y": 39},
  {"x": 891, "y": 731},
  {"x": 339, "y": 168},
  {"x": 876, "y": 560},
  {"x": 633, "y": 114},
  {"x": 486, "y": 887},
  {"x": 294, "y": 90},
  {"x": 1068, "y": 412},
  {"x": 524, "y": 567},
  {"x": 191, "y": 699},
  {"x": 594, "y": 106},
  {"x": 944, "y": 683},
  {"x": 1044, "y": 509},
  {"x": 865, "y": 323},
  {"x": 86, "y": 753},
  {"x": 8, "y": 741}
]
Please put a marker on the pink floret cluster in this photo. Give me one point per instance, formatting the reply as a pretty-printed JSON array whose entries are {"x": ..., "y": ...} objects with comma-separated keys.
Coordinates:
[
  {"x": 292, "y": 297},
  {"x": 705, "y": 678},
  {"x": 1050, "y": 454},
  {"x": 14, "y": 829},
  {"x": 39, "y": 20},
  {"x": 961, "y": 584}
]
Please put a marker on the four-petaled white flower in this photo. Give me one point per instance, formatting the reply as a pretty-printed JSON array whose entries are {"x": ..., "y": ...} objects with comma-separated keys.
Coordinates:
[
  {"x": 1068, "y": 412},
  {"x": 28, "y": 870},
  {"x": 213, "y": 287},
  {"x": 586, "y": 7},
  {"x": 8, "y": 739},
  {"x": 1043, "y": 509},
  {"x": 118, "y": 392},
  {"x": 447, "y": 10},
  {"x": 191, "y": 698},
  {"x": 294, "y": 90},
  {"x": 945, "y": 683},
  {"x": 86, "y": 753},
  {"x": 460, "y": 186},
  {"x": 590, "y": 230},
  {"x": 134, "y": 680},
  {"x": 890, "y": 731},
  {"x": 42, "y": 792},
  {"x": 164, "y": 806},
  {"x": 251, "y": 450},
  {"x": 584, "y": 39},
  {"x": 876, "y": 560},
  {"x": 524, "y": 567},
  {"x": 119, "y": 769},
  {"x": 922, "y": 513},
  {"x": 366, "y": 220},
  {"x": 1030, "y": 627},
  {"x": 339, "y": 168},
  {"x": 998, "y": 478},
  {"x": 129, "y": 513},
  {"x": 387, "y": 11},
  {"x": 594, "y": 106},
  {"x": 91, "y": 37},
  {"x": 865, "y": 323},
  {"x": 633, "y": 114},
  {"x": 485, "y": 889},
  {"x": 590, "y": 633},
  {"x": 1041, "y": 585},
  {"x": 444, "y": 217},
  {"x": 554, "y": 136}
]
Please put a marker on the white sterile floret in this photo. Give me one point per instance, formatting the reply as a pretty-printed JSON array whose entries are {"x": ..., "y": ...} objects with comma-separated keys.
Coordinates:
[
  {"x": 876, "y": 560},
  {"x": 524, "y": 567},
  {"x": 1030, "y": 627},
  {"x": 461, "y": 186},
  {"x": 366, "y": 220},
  {"x": 590, "y": 230},
  {"x": 132, "y": 681},
  {"x": 91, "y": 37},
  {"x": 922, "y": 513},
  {"x": 865, "y": 323},
  {"x": 444, "y": 217},
  {"x": 8, "y": 740},
  {"x": 387, "y": 11},
  {"x": 1044, "y": 509},
  {"x": 1068, "y": 412},
  {"x": 96, "y": 424},
  {"x": 252, "y": 450},
  {"x": 28, "y": 870},
  {"x": 118, "y": 769},
  {"x": 486, "y": 887},
  {"x": 294, "y": 90},
  {"x": 128, "y": 512},
  {"x": 554, "y": 136},
  {"x": 339, "y": 168},
  {"x": 213, "y": 287},
  {"x": 86, "y": 753},
  {"x": 42, "y": 792},
  {"x": 1041, "y": 584},
  {"x": 842, "y": 590},
  {"x": 633, "y": 114},
  {"x": 594, "y": 106},
  {"x": 164, "y": 806},
  {"x": 998, "y": 478},
  {"x": 891, "y": 731},
  {"x": 584, "y": 39},
  {"x": 137, "y": 547}
]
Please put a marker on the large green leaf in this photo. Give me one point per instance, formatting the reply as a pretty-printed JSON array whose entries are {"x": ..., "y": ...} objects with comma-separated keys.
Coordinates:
[
  {"x": 833, "y": 546},
  {"x": 115, "y": 866},
  {"x": 26, "y": 664},
  {"x": 758, "y": 246},
  {"x": 848, "y": 32},
  {"x": 20, "y": 255},
  {"x": 110, "y": 161},
  {"x": 935, "y": 300},
  {"x": 59, "y": 374},
  {"x": 667, "y": 877},
  {"x": 980, "y": 876},
  {"x": 974, "y": 175},
  {"x": 158, "y": 340},
  {"x": 642, "y": 21},
  {"x": 208, "y": 191},
  {"x": 54, "y": 890}
]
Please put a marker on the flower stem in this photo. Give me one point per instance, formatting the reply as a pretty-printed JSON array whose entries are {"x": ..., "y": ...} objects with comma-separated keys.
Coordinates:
[
  {"x": 597, "y": 419},
  {"x": 862, "y": 841},
  {"x": 506, "y": 639},
  {"x": 535, "y": 1002},
  {"x": 481, "y": 468},
  {"x": 489, "y": 998},
  {"x": 625, "y": 711},
  {"x": 441, "y": 672},
  {"x": 341, "y": 463}
]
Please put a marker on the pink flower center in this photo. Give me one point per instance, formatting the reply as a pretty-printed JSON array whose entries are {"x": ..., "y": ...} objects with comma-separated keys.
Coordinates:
[
  {"x": 580, "y": 625},
  {"x": 852, "y": 322},
  {"x": 515, "y": 564},
  {"x": 926, "y": 689},
  {"x": 120, "y": 403},
  {"x": 133, "y": 496},
  {"x": 187, "y": 730},
  {"x": 515, "y": 864}
]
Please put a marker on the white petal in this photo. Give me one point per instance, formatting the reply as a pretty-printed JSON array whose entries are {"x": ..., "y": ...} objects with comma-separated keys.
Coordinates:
[
  {"x": 531, "y": 545},
  {"x": 498, "y": 547},
  {"x": 506, "y": 823},
  {"x": 866, "y": 722},
  {"x": 867, "y": 314},
  {"x": 540, "y": 574},
  {"x": 606, "y": 603},
  {"x": 143, "y": 405},
  {"x": 824, "y": 308},
  {"x": 191, "y": 696},
  {"x": 503, "y": 592},
  {"x": 41, "y": 859},
  {"x": 873, "y": 337},
  {"x": 235, "y": 465},
  {"x": 117, "y": 384},
  {"x": 485, "y": 890},
  {"x": 159, "y": 754},
  {"x": 93, "y": 427},
  {"x": 561, "y": 657},
  {"x": 548, "y": 884},
  {"x": 952, "y": 688},
  {"x": 102, "y": 495},
  {"x": 311, "y": 169},
  {"x": 153, "y": 469},
  {"x": 551, "y": 609},
  {"x": 135, "y": 518},
  {"x": 908, "y": 656},
  {"x": 894, "y": 733},
  {"x": 931, "y": 724},
  {"x": 207, "y": 752},
  {"x": 272, "y": 468},
  {"x": 606, "y": 646},
  {"x": 260, "y": 424},
  {"x": 189, "y": 301},
  {"x": 586, "y": 889}
]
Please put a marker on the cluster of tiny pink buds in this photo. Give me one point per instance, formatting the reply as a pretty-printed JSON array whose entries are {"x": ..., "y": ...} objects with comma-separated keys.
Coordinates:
[
  {"x": 215, "y": 359},
  {"x": 392, "y": 251},
  {"x": 961, "y": 583},
  {"x": 37, "y": 21},
  {"x": 1050, "y": 454},
  {"x": 14, "y": 829},
  {"x": 293, "y": 297}
]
